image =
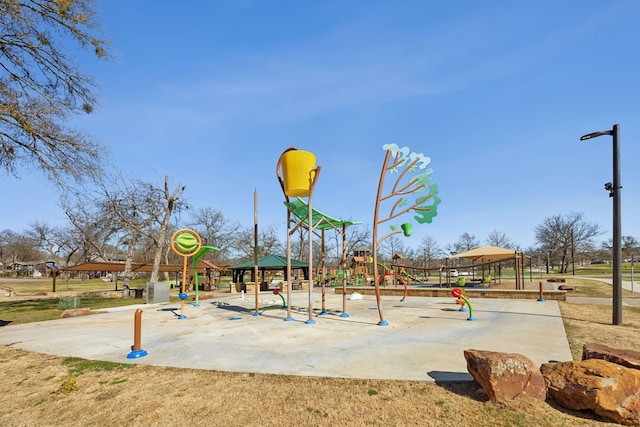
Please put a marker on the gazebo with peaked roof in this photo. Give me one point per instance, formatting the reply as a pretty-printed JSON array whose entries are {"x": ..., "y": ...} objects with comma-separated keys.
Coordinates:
[{"x": 268, "y": 263}]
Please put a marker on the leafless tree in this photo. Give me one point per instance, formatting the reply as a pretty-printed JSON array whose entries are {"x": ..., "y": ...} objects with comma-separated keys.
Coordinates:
[
  {"x": 16, "y": 247},
  {"x": 215, "y": 230},
  {"x": 566, "y": 235},
  {"x": 466, "y": 242},
  {"x": 390, "y": 246},
  {"x": 170, "y": 202},
  {"x": 429, "y": 249},
  {"x": 94, "y": 225},
  {"x": 500, "y": 239},
  {"x": 137, "y": 206},
  {"x": 268, "y": 242},
  {"x": 41, "y": 87}
]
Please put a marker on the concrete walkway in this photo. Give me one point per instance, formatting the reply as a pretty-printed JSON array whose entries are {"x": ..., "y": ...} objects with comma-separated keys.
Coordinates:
[
  {"x": 626, "y": 302},
  {"x": 424, "y": 340},
  {"x": 626, "y": 284}
]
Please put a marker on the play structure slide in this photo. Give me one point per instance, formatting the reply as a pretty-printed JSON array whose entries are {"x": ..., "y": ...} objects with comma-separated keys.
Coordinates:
[
  {"x": 402, "y": 272},
  {"x": 409, "y": 276}
]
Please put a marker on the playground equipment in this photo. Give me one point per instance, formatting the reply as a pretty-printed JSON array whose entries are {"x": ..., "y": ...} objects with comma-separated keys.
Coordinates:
[
  {"x": 322, "y": 222},
  {"x": 197, "y": 257},
  {"x": 136, "y": 351},
  {"x": 298, "y": 209},
  {"x": 412, "y": 178},
  {"x": 277, "y": 292},
  {"x": 185, "y": 243},
  {"x": 462, "y": 303},
  {"x": 457, "y": 293},
  {"x": 256, "y": 251},
  {"x": 541, "y": 292},
  {"x": 297, "y": 173},
  {"x": 397, "y": 276}
]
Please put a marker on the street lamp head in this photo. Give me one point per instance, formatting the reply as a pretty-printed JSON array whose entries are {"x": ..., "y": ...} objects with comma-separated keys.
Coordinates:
[{"x": 595, "y": 135}]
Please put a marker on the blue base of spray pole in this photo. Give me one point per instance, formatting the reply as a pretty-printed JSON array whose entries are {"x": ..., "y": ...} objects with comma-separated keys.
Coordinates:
[{"x": 135, "y": 354}]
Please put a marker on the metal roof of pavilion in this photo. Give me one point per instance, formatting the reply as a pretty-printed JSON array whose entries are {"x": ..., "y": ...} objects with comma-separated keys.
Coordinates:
[
  {"x": 269, "y": 262},
  {"x": 136, "y": 267}
]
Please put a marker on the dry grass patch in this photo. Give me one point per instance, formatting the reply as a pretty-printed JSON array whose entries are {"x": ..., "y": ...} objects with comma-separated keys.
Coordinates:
[
  {"x": 593, "y": 323},
  {"x": 47, "y": 390},
  {"x": 54, "y": 391}
]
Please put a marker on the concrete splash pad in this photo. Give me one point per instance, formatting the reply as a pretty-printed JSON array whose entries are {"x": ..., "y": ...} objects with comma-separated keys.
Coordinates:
[{"x": 424, "y": 340}]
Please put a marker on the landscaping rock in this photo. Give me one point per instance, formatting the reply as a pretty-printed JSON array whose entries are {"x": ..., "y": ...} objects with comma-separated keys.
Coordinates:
[
  {"x": 74, "y": 312},
  {"x": 628, "y": 358},
  {"x": 607, "y": 389},
  {"x": 505, "y": 376}
]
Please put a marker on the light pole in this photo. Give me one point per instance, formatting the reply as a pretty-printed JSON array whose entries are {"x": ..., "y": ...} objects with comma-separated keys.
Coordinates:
[{"x": 614, "y": 191}]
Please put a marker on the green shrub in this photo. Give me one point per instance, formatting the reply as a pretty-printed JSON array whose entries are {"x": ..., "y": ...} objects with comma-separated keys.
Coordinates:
[{"x": 67, "y": 303}]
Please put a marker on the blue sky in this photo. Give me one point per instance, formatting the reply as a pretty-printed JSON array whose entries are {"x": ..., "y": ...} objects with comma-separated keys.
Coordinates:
[{"x": 497, "y": 93}]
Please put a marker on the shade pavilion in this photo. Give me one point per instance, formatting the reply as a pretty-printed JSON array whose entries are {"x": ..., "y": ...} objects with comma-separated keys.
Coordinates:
[{"x": 491, "y": 255}]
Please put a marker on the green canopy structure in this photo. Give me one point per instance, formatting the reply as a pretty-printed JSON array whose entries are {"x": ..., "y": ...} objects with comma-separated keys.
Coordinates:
[
  {"x": 268, "y": 263},
  {"x": 321, "y": 221},
  {"x": 299, "y": 209},
  {"x": 197, "y": 257}
]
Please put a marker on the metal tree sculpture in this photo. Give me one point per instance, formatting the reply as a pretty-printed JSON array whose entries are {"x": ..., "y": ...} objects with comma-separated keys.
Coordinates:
[{"x": 412, "y": 191}]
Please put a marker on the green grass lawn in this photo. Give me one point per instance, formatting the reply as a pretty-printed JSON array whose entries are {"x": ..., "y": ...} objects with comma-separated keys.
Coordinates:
[
  {"x": 39, "y": 286},
  {"x": 16, "y": 311},
  {"x": 36, "y": 310}
]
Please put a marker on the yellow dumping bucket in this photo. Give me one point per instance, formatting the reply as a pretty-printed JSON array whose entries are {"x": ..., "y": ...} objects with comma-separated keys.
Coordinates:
[{"x": 298, "y": 172}]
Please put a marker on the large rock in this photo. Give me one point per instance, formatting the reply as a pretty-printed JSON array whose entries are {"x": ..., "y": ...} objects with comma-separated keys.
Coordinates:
[
  {"x": 505, "y": 376},
  {"x": 608, "y": 389},
  {"x": 75, "y": 312},
  {"x": 628, "y": 358}
]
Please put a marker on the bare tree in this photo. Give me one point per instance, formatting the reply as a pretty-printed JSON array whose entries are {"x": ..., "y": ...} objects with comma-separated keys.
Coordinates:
[
  {"x": 566, "y": 235},
  {"x": 18, "y": 247},
  {"x": 215, "y": 230},
  {"x": 629, "y": 246},
  {"x": 137, "y": 206},
  {"x": 466, "y": 242},
  {"x": 64, "y": 245},
  {"x": 355, "y": 236},
  {"x": 430, "y": 249},
  {"x": 170, "y": 202},
  {"x": 41, "y": 87},
  {"x": 94, "y": 224},
  {"x": 267, "y": 240},
  {"x": 500, "y": 239},
  {"x": 45, "y": 237},
  {"x": 392, "y": 245}
]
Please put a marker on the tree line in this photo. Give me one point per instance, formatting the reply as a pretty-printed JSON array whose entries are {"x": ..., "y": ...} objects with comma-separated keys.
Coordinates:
[
  {"x": 112, "y": 216},
  {"x": 131, "y": 225}
]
